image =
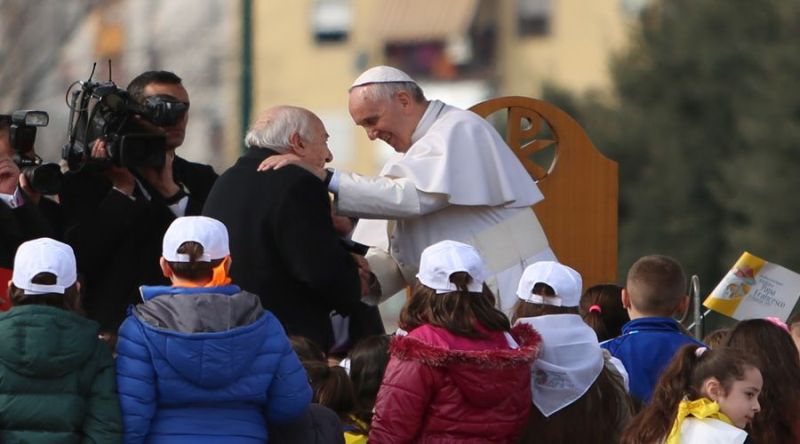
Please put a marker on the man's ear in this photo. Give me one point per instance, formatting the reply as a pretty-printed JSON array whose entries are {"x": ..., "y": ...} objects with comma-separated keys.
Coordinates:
[
  {"x": 227, "y": 261},
  {"x": 166, "y": 270},
  {"x": 297, "y": 145},
  {"x": 626, "y": 299},
  {"x": 713, "y": 389},
  {"x": 404, "y": 99},
  {"x": 682, "y": 306}
]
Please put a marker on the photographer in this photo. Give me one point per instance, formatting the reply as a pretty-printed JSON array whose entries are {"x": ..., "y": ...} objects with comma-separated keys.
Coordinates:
[
  {"x": 23, "y": 214},
  {"x": 121, "y": 214}
]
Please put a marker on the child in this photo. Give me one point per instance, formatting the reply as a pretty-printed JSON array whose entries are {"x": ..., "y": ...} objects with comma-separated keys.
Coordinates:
[
  {"x": 772, "y": 349},
  {"x": 56, "y": 377},
  {"x": 333, "y": 389},
  {"x": 601, "y": 308},
  {"x": 654, "y": 291},
  {"x": 704, "y": 396},
  {"x": 367, "y": 365},
  {"x": 460, "y": 374},
  {"x": 572, "y": 381},
  {"x": 202, "y": 361}
]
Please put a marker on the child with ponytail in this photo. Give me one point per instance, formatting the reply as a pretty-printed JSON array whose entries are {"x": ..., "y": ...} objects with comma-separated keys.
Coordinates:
[
  {"x": 703, "y": 396},
  {"x": 460, "y": 374},
  {"x": 601, "y": 308}
]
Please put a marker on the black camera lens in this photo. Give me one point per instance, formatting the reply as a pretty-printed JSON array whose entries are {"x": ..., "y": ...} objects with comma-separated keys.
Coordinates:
[{"x": 45, "y": 179}]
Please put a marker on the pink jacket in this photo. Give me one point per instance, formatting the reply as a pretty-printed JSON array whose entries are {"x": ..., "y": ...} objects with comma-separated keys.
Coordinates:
[{"x": 442, "y": 388}]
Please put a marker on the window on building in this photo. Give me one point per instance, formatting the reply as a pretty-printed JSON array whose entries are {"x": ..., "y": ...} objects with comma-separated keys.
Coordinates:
[
  {"x": 534, "y": 17},
  {"x": 441, "y": 39},
  {"x": 331, "y": 20}
]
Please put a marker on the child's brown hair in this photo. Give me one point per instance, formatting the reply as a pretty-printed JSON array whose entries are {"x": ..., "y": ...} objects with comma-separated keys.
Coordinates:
[
  {"x": 525, "y": 309},
  {"x": 70, "y": 300},
  {"x": 458, "y": 311},
  {"x": 656, "y": 285},
  {"x": 601, "y": 308},
  {"x": 194, "y": 270}
]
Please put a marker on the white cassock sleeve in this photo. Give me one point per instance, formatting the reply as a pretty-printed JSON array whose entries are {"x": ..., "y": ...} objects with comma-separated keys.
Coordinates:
[{"x": 384, "y": 198}]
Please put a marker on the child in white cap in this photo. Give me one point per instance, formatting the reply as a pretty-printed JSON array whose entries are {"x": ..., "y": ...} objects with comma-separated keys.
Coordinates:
[
  {"x": 460, "y": 374},
  {"x": 572, "y": 381},
  {"x": 56, "y": 377},
  {"x": 202, "y": 361}
]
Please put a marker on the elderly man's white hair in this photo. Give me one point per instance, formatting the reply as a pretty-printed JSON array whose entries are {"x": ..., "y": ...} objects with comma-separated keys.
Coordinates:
[{"x": 274, "y": 127}]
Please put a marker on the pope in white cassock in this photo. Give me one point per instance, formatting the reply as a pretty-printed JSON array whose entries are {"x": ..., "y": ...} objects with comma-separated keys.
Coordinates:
[{"x": 453, "y": 177}]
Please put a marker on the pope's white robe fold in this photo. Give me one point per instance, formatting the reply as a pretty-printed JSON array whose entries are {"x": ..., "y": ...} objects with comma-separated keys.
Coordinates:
[{"x": 457, "y": 181}]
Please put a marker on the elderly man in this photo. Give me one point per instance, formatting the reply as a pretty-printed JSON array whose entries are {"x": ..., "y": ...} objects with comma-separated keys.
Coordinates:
[
  {"x": 281, "y": 233},
  {"x": 453, "y": 177}
]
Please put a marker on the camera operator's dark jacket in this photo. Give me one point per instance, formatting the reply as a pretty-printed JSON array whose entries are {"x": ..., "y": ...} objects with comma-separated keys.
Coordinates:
[
  {"x": 117, "y": 240},
  {"x": 284, "y": 246},
  {"x": 25, "y": 222}
]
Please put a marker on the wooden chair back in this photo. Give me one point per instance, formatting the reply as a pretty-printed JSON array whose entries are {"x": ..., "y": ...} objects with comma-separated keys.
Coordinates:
[{"x": 580, "y": 185}]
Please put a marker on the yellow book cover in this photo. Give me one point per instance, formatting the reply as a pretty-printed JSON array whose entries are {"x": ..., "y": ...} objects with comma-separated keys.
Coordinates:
[{"x": 755, "y": 288}]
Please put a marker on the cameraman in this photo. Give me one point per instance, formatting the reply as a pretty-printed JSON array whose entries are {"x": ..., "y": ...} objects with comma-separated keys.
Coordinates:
[
  {"x": 123, "y": 213},
  {"x": 21, "y": 216}
]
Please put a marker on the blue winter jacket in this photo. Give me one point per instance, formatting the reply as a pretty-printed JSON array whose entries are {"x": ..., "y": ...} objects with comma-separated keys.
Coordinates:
[
  {"x": 645, "y": 347},
  {"x": 205, "y": 365}
]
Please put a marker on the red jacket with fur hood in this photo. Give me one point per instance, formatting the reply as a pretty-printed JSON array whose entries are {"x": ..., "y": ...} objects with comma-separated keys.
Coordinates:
[{"x": 443, "y": 388}]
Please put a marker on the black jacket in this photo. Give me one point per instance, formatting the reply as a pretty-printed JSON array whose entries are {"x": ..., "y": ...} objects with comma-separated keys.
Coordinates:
[
  {"x": 283, "y": 244},
  {"x": 25, "y": 222},
  {"x": 117, "y": 240}
]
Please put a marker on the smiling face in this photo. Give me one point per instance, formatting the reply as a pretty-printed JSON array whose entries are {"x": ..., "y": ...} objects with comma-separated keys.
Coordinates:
[
  {"x": 392, "y": 120},
  {"x": 740, "y": 401}
]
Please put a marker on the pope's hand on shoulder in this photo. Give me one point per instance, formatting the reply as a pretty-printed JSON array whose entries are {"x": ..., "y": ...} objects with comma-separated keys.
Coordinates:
[{"x": 279, "y": 161}]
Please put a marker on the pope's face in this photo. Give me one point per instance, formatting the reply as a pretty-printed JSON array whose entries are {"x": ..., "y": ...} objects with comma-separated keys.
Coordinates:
[{"x": 385, "y": 119}]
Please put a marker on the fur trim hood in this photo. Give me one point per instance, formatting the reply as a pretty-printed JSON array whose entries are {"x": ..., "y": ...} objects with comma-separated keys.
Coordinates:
[{"x": 432, "y": 347}]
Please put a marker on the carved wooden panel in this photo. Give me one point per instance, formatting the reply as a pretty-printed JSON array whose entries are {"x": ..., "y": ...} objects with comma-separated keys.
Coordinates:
[{"x": 580, "y": 185}]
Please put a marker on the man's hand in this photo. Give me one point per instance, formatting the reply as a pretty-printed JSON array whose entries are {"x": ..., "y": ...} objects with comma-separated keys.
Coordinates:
[
  {"x": 364, "y": 273},
  {"x": 121, "y": 178},
  {"x": 278, "y": 161},
  {"x": 9, "y": 176},
  {"x": 161, "y": 178},
  {"x": 28, "y": 189},
  {"x": 342, "y": 224}
]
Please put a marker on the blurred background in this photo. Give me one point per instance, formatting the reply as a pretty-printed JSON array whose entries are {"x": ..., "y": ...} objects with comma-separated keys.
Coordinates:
[{"x": 694, "y": 98}]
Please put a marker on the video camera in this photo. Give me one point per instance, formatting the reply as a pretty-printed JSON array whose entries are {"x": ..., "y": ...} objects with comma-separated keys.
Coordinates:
[
  {"x": 43, "y": 177},
  {"x": 102, "y": 110}
]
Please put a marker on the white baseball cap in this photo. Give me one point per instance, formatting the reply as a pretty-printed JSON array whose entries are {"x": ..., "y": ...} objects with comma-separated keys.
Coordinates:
[
  {"x": 565, "y": 281},
  {"x": 444, "y": 258},
  {"x": 208, "y": 232},
  {"x": 381, "y": 74},
  {"x": 44, "y": 255}
]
